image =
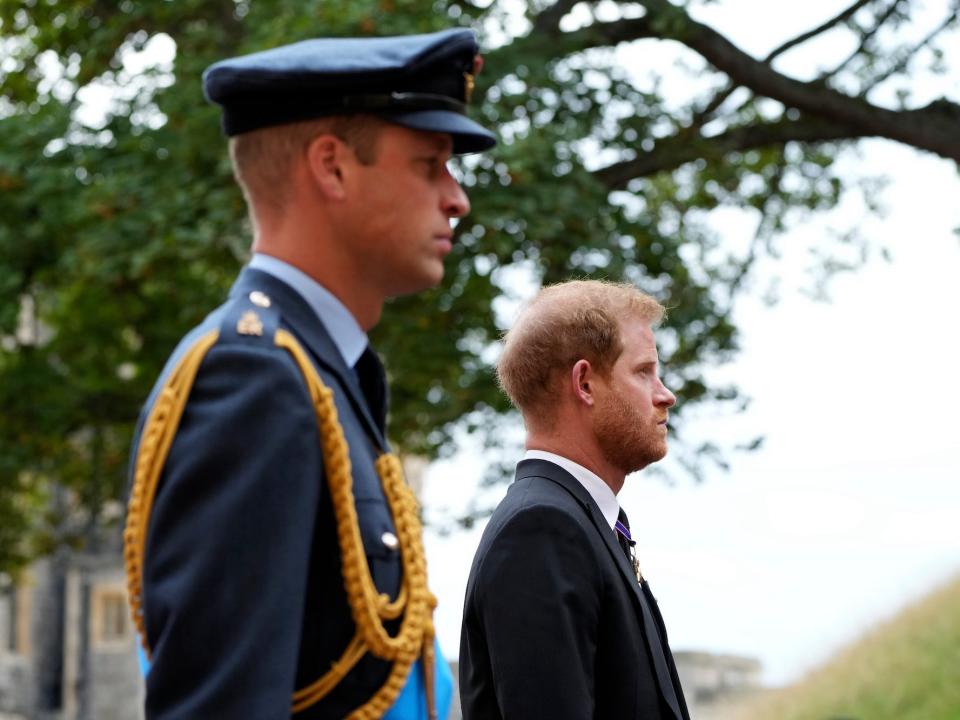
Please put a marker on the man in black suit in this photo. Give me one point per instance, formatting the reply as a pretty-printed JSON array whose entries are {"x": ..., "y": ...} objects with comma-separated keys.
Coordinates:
[
  {"x": 274, "y": 555},
  {"x": 558, "y": 621}
]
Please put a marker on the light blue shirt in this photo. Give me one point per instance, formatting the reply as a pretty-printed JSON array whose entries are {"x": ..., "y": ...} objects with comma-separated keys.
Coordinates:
[{"x": 346, "y": 334}]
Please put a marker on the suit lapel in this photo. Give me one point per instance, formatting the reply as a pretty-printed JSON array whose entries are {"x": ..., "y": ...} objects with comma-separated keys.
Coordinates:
[
  {"x": 310, "y": 330},
  {"x": 656, "y": 651},
  {"x": 655, "y": 609}
]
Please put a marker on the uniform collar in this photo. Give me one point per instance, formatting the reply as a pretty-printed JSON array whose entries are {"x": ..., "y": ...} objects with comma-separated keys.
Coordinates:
[
  {"x": 346, "y": 334},
  {"x": 601, "y": 493}
]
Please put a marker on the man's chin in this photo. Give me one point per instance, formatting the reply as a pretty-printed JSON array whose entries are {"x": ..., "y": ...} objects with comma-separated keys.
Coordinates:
[
  {"x": 426, "y": 281},
  {"x": 655, "y": 456},
  {"x": 661, "y": 454}
]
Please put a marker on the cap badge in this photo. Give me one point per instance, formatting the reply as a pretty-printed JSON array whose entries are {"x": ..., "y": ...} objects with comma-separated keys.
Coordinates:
[
  {"x": 249, "y": 324},
  {"x": 469, "y": 78},
  {"x": 468, "y": 84}
]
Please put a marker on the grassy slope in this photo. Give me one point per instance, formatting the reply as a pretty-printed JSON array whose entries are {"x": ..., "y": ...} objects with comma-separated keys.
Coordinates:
[{"x": 907, "y": 668}]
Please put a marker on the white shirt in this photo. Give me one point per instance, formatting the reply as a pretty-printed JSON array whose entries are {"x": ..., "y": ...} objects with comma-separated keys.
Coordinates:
[
  {"x": 601, "y": 493},
  {"x": 344, "y": 330}
]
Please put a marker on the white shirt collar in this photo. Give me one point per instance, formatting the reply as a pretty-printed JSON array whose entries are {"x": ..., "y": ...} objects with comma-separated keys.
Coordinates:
[
  {"x": 346, "y": 334},
  {"x": 601, "y": 493}
]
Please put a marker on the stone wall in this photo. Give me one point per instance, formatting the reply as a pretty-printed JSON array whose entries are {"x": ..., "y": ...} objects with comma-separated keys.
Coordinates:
[
  {"x": 67, "y": 644},
  {"x": 15, "y": 675},
  {"x": 707, "y": 675},
  {"x": 714, "y": 682},
  {"x": 101, "y": 675},
  {"x": 14, "y": 682}
]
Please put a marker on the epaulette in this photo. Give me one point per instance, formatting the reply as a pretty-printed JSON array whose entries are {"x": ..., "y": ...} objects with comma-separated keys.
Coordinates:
[{"x": 250, "y": 318}]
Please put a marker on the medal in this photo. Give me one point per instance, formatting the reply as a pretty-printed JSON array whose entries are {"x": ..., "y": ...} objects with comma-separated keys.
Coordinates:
[{"x": 630, "y": 548}]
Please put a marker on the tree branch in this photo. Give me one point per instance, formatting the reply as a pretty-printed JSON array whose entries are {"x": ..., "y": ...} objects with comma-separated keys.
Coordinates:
[
  {"x": 932, "y": 128},
  {"x": 670, "y": 153},
  {"x": 534, "y": 46},
  {"x": 600, "y": 34},
  {"x": 901, "y": 64},
  {"x": 548, "y": 21},
  {"x": 799, "y": 39},
  {"x": 865, "y": 38}
]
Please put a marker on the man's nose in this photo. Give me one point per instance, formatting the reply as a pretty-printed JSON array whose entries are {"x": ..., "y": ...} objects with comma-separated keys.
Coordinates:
[
  {"x": 456, "y": 204},
  {"x": 664, "y": 397}
]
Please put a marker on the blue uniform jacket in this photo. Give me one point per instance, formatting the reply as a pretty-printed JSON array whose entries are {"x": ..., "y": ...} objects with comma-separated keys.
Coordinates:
[{"x": 242, "y": 591}]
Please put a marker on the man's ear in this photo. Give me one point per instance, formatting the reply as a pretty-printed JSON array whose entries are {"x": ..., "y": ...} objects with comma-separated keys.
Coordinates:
[
  {"x": 326, "y": 159},
  {"x": 581, "y": 382}
]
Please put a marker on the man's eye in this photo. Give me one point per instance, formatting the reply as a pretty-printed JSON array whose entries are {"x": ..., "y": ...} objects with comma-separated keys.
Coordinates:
[{"x": 436, "y": 166}]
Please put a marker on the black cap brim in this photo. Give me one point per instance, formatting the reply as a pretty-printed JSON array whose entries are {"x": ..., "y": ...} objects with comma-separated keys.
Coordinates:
[{"x": 468, "y": 136}]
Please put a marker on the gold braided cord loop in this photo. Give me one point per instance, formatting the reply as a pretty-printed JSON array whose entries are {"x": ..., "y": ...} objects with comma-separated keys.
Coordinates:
[
  {"x": 316, "y": 691},
  {"x": 368, "y": 606},
  {"x": 155, "y": 442}
]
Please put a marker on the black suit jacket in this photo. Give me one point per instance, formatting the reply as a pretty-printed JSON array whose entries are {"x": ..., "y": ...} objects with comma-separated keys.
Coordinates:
[
  {"x": 243, "y": 595},
  {"x": 555, "y": 623}
]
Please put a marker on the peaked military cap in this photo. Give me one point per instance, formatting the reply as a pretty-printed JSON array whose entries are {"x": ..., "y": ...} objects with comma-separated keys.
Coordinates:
[{"x": 422, "y": 82}]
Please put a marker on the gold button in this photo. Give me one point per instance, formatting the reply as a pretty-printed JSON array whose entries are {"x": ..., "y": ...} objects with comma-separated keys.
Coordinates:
[
  {"x": 260, "y": 299},
  {"x": 390, "y": 540}
]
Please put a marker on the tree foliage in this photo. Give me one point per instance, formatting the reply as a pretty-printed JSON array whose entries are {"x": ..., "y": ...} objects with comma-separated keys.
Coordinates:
[{"x": 120, "y": 225}]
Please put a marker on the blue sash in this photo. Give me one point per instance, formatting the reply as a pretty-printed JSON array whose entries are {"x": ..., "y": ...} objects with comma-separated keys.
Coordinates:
[{"x": 412, "y": 702}]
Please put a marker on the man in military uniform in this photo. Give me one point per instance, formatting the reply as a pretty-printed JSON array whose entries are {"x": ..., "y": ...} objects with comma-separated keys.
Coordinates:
[{"x": 274, "y": 559}]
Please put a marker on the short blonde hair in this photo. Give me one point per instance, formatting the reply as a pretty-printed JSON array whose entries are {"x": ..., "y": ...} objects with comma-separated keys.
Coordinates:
[
  {"x": 263, "y": 159},
  {"x": 565, "y": 323}
]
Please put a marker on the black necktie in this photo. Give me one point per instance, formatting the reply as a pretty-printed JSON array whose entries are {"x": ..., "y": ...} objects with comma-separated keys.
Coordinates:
[{"x": 373, "y": 385}]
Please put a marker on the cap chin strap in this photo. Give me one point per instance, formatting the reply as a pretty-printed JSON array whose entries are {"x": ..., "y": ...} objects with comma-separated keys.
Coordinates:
[
  {"x": 369, "y": 608},
  {"x": 408, "y": 101}
]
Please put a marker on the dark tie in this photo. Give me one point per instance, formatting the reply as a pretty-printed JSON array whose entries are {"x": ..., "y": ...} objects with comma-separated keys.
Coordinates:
[
  {"x": 373, "y": 385},
  {"x": 622, "y": 528}
]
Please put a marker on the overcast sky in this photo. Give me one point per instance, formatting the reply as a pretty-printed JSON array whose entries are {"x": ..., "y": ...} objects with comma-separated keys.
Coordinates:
[{"x": 849, "y": 511}]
